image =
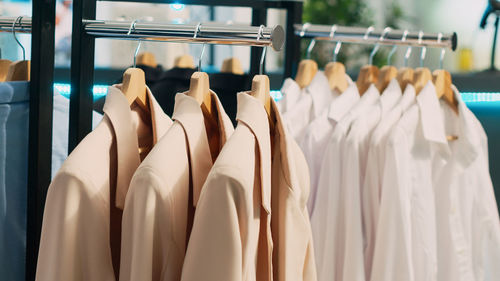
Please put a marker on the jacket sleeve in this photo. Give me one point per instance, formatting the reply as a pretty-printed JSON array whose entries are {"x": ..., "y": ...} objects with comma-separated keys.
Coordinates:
[
  {"x": 220, "y": 229},
  {"x": 392, "y": 260},
  {"x": 144, "y": 251},
  {"x": 75, "y": 233}
]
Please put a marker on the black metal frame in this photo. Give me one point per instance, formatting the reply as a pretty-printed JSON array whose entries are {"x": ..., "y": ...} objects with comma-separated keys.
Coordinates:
[
  {"x": 83, "y": 46},
  {"x": 40, "y": 125}
]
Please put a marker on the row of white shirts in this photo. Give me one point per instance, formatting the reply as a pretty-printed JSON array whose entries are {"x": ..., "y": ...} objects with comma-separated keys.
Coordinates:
[{"x": 392, "y": 198}]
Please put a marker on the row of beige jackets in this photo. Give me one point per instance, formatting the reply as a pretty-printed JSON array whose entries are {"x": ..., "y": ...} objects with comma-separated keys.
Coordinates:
[{"x": 206, "y": 203}]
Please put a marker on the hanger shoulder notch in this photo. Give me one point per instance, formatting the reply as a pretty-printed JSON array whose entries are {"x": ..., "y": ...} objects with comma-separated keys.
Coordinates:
[
  {"x": 134, "y": 87},
  {"x": 19, "y": 71},
  {"x": 335, "y": 72},
  {"x": 305, "y": 73},
  {"x": 367, "y": 75},
  {"x": 387, "y": 73},
  {"x": 232, "y": 65}
]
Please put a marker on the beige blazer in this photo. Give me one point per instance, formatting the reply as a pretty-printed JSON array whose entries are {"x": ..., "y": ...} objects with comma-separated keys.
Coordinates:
[
  {"x": 159, "y": 209},
  {"x": 231, "y": 237},
  {"x": 82, "y": 221}
]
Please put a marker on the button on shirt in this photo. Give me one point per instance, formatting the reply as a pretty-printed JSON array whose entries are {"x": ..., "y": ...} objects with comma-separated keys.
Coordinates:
[
  {"x": 327, "y": 219},
  {"x": 355, "y": 151},
  {"x": 467, "y": 216},
  {"x": 374, "y": 172},
  {"x": 158, "y": 213},
  {"x": 315, "y": 99},
  {"x": 405, "y": 246},
  {"x": 318, "y": 133}
]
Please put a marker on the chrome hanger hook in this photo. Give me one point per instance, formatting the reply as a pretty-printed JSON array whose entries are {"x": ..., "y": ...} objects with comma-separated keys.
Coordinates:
[
  {"x": 408, "y": 50},
  {"x": 394, "y": 48},
  {"x": 132, "y": 27},
  {"x": 264, "y": 50},
  {"x": 423, "y": 50},
  {"x": 196, "y": 31},
  {"x": 443, "y": 51},
  {"x": 20, "y": 18},
  {"x": 338, "y": 45},
  {"x": 311, "y": 44},
  {"x": 377, "y": 45}
]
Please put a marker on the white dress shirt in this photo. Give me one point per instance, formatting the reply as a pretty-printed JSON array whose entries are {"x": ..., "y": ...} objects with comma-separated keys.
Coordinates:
[
  {"x": 405, "y": 246},
  {"x": 327, "y": 218},
  {"x": 355, "y": 151},
  {"x": 318, "y": 133},
  {"x": 315, "y": 99},
  {"x": 374, "y": 172},
  {"x": 291, "y": 93},
  {"x": 467, "y": 217}
]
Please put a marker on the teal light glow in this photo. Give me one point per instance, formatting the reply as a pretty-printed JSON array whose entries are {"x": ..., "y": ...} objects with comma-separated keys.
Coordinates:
[
  {"x": 177, "y": 7},
  {"x": 473, "y": 97},
  {"x": 65, "y": 90},
  {"x": 276, "y": 95}
]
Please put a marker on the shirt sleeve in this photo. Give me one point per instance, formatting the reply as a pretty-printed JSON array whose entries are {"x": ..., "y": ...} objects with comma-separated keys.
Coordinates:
[
  {"x": 74, "y": 243},
  {"x": 221, "y": 226},
  {"x": 392, "y": 259}
]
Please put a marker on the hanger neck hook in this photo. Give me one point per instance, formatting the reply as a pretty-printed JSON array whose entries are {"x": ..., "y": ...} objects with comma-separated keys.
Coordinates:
[
  {"x": 132, "y": 28},
  {"x": 18, "y": 19},
  {"x": 443, "y": 51},
  {"x": 408, "y": 50},
  {"x": 336, "y": 50},
  {"x": 264, "y": 50},
  {"x": 196, "y": 32},
  {"x": 313, "y": 41},
  {"x": 377, "y": 45},
  {"x": 423, "y": 49}
]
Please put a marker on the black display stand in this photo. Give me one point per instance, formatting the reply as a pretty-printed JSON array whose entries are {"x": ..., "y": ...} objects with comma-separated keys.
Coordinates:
[
  {"x": 83, "y": 46},
  {"x": 40, "y": 125}
]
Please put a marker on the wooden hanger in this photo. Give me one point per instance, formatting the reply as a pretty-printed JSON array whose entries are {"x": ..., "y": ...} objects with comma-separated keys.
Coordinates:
[
  {"x": 306, "y": 72},
  {"x": 405, "y": 76},
  {"x": 184, "y": 61},
  {"x": 335, "y": 72},
  {"x": 19, "y": 71},
  {"x": 422, "y": 77},
  {"x": 134, "y": 87},
  {"x": 442, "y": 82},
  {"x": 199, "y": 89},
  {"x": 232, "y": 65},
  {"x": 261, "y": 91},
  {"x": 387, "y": 73},
  {"x": 4, "y": 69},
  {"x": 367, "y": 75},
  {"x": 147, "y": 58}
]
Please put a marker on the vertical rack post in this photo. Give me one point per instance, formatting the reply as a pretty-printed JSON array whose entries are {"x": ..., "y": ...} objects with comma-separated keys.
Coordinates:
[
  {"x": 82, "y": 73},
  {"x": 292, "y": 43},
  {"x": 259, "y": 17},
  {"x": 40, "y": 125}
]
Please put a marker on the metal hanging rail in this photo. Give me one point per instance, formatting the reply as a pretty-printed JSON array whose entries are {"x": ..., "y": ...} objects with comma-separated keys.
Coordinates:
[
  {"x": 210, "y": 33},
  {"x": 362, "y": 35},
  {"x": 23, "y": 24}
]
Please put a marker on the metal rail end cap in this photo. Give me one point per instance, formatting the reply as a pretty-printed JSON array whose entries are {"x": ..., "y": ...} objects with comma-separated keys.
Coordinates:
[
  {"x": 454, "y": 41},
  {"x": 278, "y": 38}
]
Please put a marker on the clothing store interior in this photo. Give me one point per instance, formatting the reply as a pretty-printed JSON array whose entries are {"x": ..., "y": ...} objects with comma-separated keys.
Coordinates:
[{"x": 240, "y": 140}]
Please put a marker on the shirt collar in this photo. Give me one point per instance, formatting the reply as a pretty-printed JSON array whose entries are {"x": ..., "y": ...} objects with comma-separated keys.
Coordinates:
[
  {"x": 291, "y": 94},
  {"x": 188, "y": 113},
  {"x": 118, "y": 111},
  {"x": 343, "y": 103},
  {"x": 408, "y": 97},
  {"x": 251, "y": 112},
  {"x": 468, "y": 141},
  {"x": 390, "y": 96},
  {"x": 320, "y": 93}
]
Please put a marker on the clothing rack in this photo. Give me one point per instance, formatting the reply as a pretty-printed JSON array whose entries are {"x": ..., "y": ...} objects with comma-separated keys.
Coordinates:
[
  {"x": 371, "y": 35},
  {"x": 210, "y": 33},
  {"x": 83, "y": 47},
  {"x": 42, "y": 27}
]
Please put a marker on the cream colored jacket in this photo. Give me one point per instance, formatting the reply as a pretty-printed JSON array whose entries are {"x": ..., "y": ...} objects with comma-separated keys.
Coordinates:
[
  {"x": 80, "y": 238},
  {"x": 160, "y": 204},
  {"x": 231, "y": 237}
]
